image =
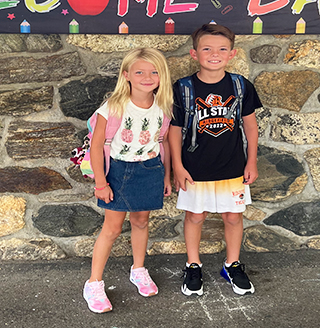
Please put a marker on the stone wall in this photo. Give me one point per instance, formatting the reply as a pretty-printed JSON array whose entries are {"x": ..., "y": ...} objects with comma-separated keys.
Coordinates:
[{"x": 50, "y": 85}]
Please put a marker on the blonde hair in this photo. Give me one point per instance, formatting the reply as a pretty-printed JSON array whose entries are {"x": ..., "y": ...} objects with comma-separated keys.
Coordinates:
[{"x": 163, "y": 94}]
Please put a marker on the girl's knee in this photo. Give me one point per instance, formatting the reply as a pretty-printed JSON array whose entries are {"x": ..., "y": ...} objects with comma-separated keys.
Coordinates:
[
  {"x": 111, "y": 234},
  {"x": 139, "y": 221}
]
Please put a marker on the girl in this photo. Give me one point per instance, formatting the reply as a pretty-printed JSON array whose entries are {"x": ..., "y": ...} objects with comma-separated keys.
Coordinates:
[{"x": 137, "y": 180}]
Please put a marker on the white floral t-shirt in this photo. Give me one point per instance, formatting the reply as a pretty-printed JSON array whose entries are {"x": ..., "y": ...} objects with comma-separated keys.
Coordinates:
[{"x": 137, "y": 137}]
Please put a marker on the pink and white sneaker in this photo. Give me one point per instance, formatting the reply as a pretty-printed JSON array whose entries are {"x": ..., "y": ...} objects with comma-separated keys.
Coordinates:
[
  {"x": 95, "y": 295},
  {"x": 140, "y": 277}
]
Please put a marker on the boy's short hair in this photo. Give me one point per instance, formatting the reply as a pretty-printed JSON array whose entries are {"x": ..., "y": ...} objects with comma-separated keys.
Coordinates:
[{"x": 212, "y": 29}]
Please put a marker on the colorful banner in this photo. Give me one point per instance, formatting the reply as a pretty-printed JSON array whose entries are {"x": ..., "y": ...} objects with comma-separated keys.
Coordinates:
[{"x": 158, "y": 16}]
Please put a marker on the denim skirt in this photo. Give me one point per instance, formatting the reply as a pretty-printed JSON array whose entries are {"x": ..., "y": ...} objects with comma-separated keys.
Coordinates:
[{"x": 136, "y": 186}]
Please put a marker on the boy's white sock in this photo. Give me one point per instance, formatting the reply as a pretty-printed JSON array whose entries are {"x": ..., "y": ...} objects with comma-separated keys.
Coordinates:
[
  {"x": 228, "y": 265},
  {"x": 188, "y": 265}
]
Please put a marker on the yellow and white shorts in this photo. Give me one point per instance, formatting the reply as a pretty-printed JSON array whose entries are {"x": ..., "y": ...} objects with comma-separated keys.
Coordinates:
[{"x": 215, "y": 196}]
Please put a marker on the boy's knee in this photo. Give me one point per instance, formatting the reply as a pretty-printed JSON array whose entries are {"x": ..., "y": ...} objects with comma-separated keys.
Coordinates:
[
  {"x": 195, "y": 218},
  {"x": 232, "y": 218}
]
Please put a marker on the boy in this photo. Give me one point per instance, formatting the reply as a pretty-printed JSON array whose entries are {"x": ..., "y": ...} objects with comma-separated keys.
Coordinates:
[{"x": 215, "y": 177}]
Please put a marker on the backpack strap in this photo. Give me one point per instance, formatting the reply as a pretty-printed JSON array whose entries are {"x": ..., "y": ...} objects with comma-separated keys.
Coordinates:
[
  {"x": 190, "y": 119},
  {"x": 113, "y": 124},
  {"x": 163, "y": 130},
  {"x": 239, "y": 89}
]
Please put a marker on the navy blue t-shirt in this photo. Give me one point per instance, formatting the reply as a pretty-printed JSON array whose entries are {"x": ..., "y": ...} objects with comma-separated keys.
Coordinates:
[{"x": 220, "y": 153}]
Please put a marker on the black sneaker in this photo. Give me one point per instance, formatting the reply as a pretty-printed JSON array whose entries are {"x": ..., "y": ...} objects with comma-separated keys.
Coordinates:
[
  {"x": 238, "y": 278},
  {"x": 192, "y": 283}
]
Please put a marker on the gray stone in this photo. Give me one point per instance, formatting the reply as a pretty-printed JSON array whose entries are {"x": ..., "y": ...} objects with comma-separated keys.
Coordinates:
[
  {"x": 265, "y": 54},
  {"x": 12, "y": 43},
  {"x": 299, "y": 129},
  {"x": 212, "y": 230},
  {"x": 30, "y": 249},
  {"x": 111, "y": 68},
  {"x": 280, "y": 175},
  {"x": 303, "y": 218},
  {"x": 31, "y": 180},
  {"x": 25, "y": 102},
  {"x": 162, "y": 227},
  {"x": 51, "y": 68},
  {"x": 43, "y": 43},
  {"x": 312, "y": 156},
  {"x": 288, "y": 90},
  {"x": 28, "y": 140},
  {"x": 64, "y": 197},
  {"x": 262, "y": 239},
  {"x": 67, "y": 220},
  {"x": 81, "y": 98},
  {"x": 33, "y": 43}
]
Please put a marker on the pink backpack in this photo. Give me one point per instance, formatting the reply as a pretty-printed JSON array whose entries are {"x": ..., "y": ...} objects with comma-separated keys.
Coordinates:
[{"x": 113, "y": 124}]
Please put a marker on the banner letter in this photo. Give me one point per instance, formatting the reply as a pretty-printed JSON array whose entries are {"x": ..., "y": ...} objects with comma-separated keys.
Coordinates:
[
  {"x": 42, "y": 7},
  {"x": 170, "y": 8},
  {"x": 255, "y": 8}
]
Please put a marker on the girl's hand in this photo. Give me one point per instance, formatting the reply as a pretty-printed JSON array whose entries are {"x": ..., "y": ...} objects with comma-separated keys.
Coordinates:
[
  {"x": 105, "y": 194},
  {"x": 167, "y": 187}
]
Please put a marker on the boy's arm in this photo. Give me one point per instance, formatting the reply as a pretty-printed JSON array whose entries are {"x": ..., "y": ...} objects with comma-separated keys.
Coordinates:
[
  {"x": 97, "y": 160},
  {"x": 251, "y": 131},
  {"x": 167, "y": 165},
  {"x": 179, "y": 172}
]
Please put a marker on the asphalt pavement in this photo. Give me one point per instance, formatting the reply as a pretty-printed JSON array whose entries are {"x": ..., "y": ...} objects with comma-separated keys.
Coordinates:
[{"x": 49, "y": 294}]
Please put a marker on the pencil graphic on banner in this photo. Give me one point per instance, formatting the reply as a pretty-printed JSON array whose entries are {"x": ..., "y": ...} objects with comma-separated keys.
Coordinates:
[
  {"x": 257, "y": 26},
  {"x": 123, "y": 28},
  {"x": 301, "y": 26},
  {"x": 74, "y": 26},
  {"x": 213, "y": 22},
  {"x": 24, "y": 27},
  {"x": 169, "y": 26}
]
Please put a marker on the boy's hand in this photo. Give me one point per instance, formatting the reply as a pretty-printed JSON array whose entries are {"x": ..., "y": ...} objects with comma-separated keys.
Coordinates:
[
  {"x": 250, "y": 174},
  {"x": 180, "y": 177},
  {"x": 105, "y": 194}
]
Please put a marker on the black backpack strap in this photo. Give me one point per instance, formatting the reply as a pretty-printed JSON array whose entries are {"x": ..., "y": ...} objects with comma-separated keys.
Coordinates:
[
  {"x": 239, "y": 89},
  {"x": 190, "y": 119}
]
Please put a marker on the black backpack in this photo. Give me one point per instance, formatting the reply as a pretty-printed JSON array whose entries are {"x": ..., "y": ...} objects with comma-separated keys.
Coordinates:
[{"x": 190, "y": 119}]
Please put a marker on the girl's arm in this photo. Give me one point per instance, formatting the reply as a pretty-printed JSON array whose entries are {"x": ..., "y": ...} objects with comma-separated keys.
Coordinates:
[
  {"x": 167, "y": 165},
  {"x": 251, "y": 131},
  {"x": 97, "y": 160},
  {"x": 180, "y": 173}
]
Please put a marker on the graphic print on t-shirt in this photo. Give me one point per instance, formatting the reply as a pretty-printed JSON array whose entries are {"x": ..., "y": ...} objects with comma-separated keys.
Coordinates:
[{"x": 215, "y": 116}]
